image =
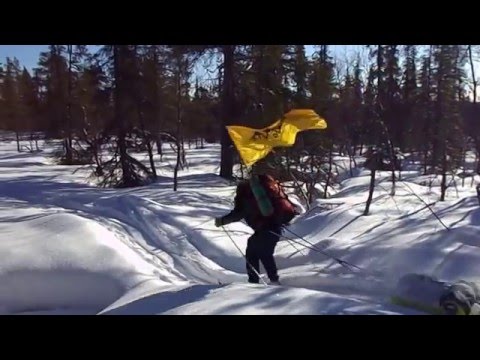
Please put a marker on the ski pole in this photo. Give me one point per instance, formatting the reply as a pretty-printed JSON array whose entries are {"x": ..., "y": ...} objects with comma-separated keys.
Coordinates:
[
  {"x": 313, "y": 247},
  {"x": 340, "y": 261}
]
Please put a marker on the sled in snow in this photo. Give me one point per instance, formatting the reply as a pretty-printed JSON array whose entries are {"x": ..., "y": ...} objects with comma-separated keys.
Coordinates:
[{"x": 427, "y": 294}]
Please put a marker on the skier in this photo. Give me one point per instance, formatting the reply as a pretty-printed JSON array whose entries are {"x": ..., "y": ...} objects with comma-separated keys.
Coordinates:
[{"x": 267, "y": 225}]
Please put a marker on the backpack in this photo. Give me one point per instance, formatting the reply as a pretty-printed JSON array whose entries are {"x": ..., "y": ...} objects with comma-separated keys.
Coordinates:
[{"x": 271, "y": 200}]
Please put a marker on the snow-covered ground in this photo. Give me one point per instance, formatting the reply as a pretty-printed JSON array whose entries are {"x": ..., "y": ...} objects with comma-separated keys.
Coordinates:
[{"x": 68, "y": 247}]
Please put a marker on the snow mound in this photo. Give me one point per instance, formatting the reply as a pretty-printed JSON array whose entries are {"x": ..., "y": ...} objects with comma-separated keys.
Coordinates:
[
  {"x": 65, "y": 261},
  {"x": 247, "y": 299}
]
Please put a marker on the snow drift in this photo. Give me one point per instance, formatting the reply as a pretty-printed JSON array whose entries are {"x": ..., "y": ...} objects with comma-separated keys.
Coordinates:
[
  {"x": 71, "y": 248},
  {"x": 64, "y": 261}
]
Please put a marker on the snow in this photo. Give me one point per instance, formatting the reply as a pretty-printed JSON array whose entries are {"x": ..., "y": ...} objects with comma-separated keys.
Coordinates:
[
  {"x": 241, "y": 299},
  {"x": 62, "y": 260},
  {"x": 69, "y": 247}
]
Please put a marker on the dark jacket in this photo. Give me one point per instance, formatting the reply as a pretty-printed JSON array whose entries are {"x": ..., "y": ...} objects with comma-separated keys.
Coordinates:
[{"x": 245, "y": 208}]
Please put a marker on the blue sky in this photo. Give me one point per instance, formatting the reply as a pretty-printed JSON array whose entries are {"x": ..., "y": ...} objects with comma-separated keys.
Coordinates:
[{"x": 28, "y": 54}]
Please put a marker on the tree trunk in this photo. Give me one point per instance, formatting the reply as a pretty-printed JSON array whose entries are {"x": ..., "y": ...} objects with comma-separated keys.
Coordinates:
[
  {"x": 156, "y": 102},
  {"x": 472, "y": 69},
  {"x": 150, "y": 157},
  {"x": 443, "y": 186},
  {"x": 228, "y": 101},
  {"x": 393, "y": 162},
  {"x": 147, "y": 139},
  {"x": 99, "y": 169},
  {"x": 177, "y": 166},
  {"x": 184, "y": 158},
  {"x": 330, "y": 163},
  {"x": 159, "y": 146},
  {"x": 179, "y": 128},
  {"x": 68, "y": 125},
  {"x": 18, "y": 141},
  {"x": 425, "y": 159},
  {"x": 36, "y": 143},
  {"x": 474, "y": 81},
  {"x": 370, "y": 192},
  {"x": 118, "y": 56},
  {"x": 478, "y": 161}
]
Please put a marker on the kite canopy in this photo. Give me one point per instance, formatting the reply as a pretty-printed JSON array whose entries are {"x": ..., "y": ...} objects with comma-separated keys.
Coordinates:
[{"x": 255, "y": 144}]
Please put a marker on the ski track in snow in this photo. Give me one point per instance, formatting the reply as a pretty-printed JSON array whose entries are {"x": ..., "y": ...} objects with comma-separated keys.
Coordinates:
[{"x": 175, "y": 258}]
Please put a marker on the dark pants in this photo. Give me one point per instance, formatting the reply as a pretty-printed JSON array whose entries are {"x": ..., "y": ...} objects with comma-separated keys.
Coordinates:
[{"x": 260, "y": 247}]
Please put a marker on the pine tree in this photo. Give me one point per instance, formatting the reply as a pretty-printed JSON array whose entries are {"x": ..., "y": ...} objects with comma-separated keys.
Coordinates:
[
  {"x": 11, "y": 101},
  {"x": 425, "y": 124},
  {"x": 154, "y": 65},
  {"x": 122, "y": 170},
  {"x": 472, "y": 116},
  {"x": 201, "y": 121},
  {"x": 181, "y": 68},
  {"x": 228, "y": 112},
  {"x": 267, "y": 80},
  {"x": 447, "y": 141},
  {"x": 92, "y": 106},
  {"x": 369, "y": 112},
  {"x": 321, "y": 82},
  {"x": 301, "y": 70},
  {"x": 395, "y": 125},
  {"x": 358, "y": 105},
  {"x": 29, "y": 104},
  {"x": 409, "y": 90},
  {"x": 53, "y": 72}
]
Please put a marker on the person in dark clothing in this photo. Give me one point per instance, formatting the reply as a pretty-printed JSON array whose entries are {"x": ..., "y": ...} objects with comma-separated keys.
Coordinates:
[
  {"x": 261, "y": 245},
  {"x": 261, "y": 248}
]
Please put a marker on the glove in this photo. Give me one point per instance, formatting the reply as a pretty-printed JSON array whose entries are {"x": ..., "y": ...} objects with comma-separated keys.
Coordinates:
[{"x": 218, "y": 222}]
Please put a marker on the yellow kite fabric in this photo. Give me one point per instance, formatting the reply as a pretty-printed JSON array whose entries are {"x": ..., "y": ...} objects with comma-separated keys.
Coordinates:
[{"x": 255, "y": 144}]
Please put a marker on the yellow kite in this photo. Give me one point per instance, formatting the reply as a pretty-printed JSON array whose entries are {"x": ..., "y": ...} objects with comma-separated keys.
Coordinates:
[{"x": 255, "y": 144}]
